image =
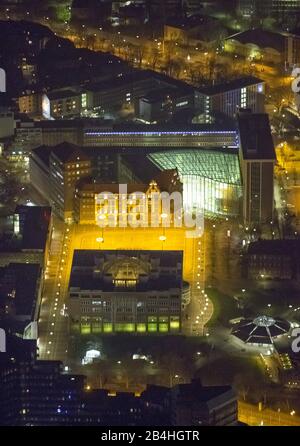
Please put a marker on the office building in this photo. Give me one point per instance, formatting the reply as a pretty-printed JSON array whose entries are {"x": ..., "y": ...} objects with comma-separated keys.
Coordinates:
[
  {"x": 196, "y": 405},
  {"x": 87, "y": 210},
  {"x": 89, "y": 132},
  {"x": 27, "y": 137},
  {"x": 40, "y": 393},
  {"x": 20, "y": 289},
  {"x": 273, "y": 259},
  {"x": 228, "y": 98},
  {"x": 126, "y": 291},
  {"x": 162, "y": 136},
  {"x": 7, "y": 123},
  {"x": 61, "y": 104},
  {"x": 164, "y": 104},
  {"x": 67, "y": 165},
  {"x": 257, "y": 159},
  {"x": 25, "y": 235},
  {"x": 55, "y": 172}
]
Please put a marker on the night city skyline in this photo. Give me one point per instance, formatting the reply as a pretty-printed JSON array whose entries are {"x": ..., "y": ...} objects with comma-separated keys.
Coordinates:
[{"x": 149, "y": 215}]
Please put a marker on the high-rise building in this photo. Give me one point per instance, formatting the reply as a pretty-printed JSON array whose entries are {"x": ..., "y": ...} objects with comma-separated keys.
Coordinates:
[
  {"x": 257, "y": 160},
  {"x": 67, "y": 165}
]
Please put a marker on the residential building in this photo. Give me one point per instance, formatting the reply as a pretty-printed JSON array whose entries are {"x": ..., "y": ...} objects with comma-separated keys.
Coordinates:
[{"x": 20, "y": 289}]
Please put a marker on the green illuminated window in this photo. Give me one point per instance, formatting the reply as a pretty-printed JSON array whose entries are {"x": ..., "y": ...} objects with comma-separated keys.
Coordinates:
[
  {"x": 107, "y": 327},
  {"x": 163, "y": 328},
  {"x": 152, "y": 327},
  {"x": 141, "y": 328},
  {"x": 127, "y": 328},
  {"x": 174, "y": 325},
  {"x": 85, "y": 329}
]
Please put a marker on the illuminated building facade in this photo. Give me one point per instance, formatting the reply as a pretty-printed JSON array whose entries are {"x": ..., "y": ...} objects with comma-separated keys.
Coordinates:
[
  {"x": 159, "y": 137},
  {"x": 120, "y": 199},
  {"x": 229, "y": 97},
  {"x": 211, "y": 178},
  {"x": 126, "y": 291},
  {"x": 67, "y": 165}
]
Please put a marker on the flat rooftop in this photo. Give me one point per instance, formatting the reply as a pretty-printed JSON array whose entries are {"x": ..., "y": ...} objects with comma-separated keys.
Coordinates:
[
  {"x": 234, "y": 84},
  {"x": 150, "y": 269},
  {"x": 34, "y": 226},
  {"x": 18, "y": 284},
  {"x": 256, "y": 140}
]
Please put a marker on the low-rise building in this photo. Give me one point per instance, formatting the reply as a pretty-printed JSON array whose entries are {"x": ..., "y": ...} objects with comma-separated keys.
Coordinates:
[
  {"x": 61, "y": 104},
  {"x": 274, "y": 259},
  {"x": 266, "y": 46},
  {"x": 163, "y": 104}
]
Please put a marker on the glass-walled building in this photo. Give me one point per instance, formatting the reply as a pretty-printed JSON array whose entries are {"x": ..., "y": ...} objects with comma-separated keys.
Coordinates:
[{"x": 211, "y": 178}]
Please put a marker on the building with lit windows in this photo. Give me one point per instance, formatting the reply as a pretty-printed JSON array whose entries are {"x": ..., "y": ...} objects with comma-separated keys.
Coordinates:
[
  {"x": 161, "y": 136},
  {"x": 54, "y": 172},
  {"x": 229, "y": 97},
  {"x": 211, "y": 178},
  {"x": 61, "y": 104},
  {"x": 126, "y": 291},
  {"x": 257, "y": 159},
  {"x": 124, "y": 199},
  {"x": 100, "y": 133}
]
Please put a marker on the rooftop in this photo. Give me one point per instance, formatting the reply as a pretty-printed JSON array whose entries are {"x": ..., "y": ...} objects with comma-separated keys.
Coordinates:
[
  {"x": 67, "y": 152},
  {"x": 256, "y": 139},
  {"x": 262, "y": 38},
  {"x": 62, "y": 94},
  {"x": 160, "y": 94},
  {"x": 100, "y": 270},
  {"x": 18, "y": 286},
  {"x": 288, "y": 247},
  {"x": 234, "y": 84},
  {"x": 34, "y": 226}
]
